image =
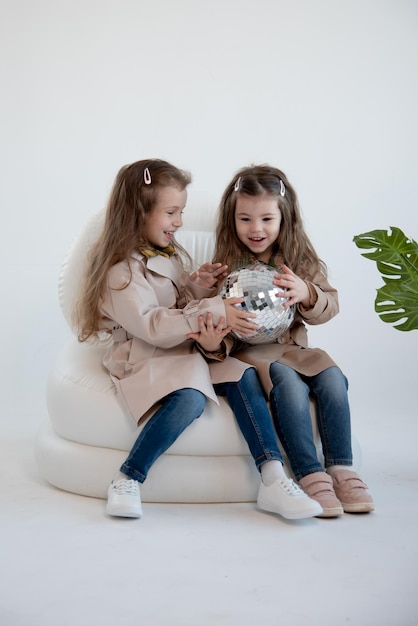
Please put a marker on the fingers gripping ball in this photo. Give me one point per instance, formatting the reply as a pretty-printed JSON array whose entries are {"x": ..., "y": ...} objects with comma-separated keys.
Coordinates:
[{"x": 254, "y": 283}]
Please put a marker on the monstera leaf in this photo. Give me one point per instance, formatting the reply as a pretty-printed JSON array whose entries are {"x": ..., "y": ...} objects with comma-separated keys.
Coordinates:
[{"x": 396, "y": 258}]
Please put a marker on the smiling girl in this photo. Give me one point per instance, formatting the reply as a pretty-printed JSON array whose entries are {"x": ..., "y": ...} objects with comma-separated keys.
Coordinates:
[{"x": 259, "y": 220}]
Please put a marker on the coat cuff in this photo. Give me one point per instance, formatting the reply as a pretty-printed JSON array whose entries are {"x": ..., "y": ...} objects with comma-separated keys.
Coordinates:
[
  {"x": 216, "y": 355},
  {"x": 215, "y": 306},
  {"x": 319, "y": 302}
]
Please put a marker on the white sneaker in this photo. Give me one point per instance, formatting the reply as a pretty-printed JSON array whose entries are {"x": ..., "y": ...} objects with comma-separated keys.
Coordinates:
[
  {"x": 124, "y": 499},
  {"x": 287, "y": 499}
]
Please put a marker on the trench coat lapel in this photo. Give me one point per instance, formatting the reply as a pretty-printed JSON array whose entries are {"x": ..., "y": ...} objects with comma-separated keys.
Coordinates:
[{"x": 161, "y": 265}]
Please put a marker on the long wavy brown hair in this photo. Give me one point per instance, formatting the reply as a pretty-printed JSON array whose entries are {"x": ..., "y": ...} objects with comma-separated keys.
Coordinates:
[
  {"x": 130, "y": 201},
  {"x": 294, "y": 247}
]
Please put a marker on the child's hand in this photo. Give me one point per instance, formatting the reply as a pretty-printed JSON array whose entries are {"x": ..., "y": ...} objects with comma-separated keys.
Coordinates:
[
  {"x": 210, "y": 336},
  {"x": 295, "y": 289},
  {"x": 208, "y": 274},
  {"x": 238, "y": 319}
]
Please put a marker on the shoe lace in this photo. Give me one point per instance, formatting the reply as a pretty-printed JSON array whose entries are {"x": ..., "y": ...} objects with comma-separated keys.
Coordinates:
[
  {"x": 126, "y": 487},
  {"x": 291, "y": 487}
]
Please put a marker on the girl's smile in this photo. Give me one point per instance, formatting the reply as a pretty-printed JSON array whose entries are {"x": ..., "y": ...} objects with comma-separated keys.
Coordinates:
[{"x": 257, "y": 222}]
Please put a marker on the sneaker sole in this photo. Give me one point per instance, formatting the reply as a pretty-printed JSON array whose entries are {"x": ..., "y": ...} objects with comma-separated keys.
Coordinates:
[
  {"x": 358, "y": 507},
  {"x": 332, "y": 512},
  {"x": 294, "y": 515},
  {"x": 124, "y": 513}
]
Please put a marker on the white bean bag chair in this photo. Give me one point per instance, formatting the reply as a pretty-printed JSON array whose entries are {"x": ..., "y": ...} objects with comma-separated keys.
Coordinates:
[{"x": 88, "y": 434}]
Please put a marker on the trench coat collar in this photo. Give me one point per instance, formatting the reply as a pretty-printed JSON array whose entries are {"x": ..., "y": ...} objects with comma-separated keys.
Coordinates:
[{"x": 161, "y": 265}]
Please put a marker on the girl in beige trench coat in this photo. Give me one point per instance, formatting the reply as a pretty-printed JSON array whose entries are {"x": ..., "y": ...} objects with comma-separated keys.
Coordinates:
[
  {"x": 260, "y": 221},
  {"x": 159, "y": 319}
]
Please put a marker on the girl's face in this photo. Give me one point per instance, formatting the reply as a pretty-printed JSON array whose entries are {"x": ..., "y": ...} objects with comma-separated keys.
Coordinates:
[
  {"x": 257, "y": 222},
  {"x": 165, "y": 217}
]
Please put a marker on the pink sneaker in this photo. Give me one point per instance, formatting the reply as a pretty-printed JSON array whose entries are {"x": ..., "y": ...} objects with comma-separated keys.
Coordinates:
[
  {"x": 318, "y": 486},
  {"x": 352, "y": 492}
]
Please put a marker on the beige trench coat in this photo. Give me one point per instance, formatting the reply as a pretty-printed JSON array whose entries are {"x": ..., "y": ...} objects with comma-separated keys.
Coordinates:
[
  {"x": 151, "y": 355},
  {"x": 292, "y": 348}
]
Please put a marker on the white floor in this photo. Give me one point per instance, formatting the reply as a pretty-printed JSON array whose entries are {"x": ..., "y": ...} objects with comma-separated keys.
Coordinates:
[{"x": 64, "y": 563}]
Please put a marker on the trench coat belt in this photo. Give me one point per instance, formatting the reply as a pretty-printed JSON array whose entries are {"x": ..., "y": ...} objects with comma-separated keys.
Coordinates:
[{"x": 120, "y": 335}]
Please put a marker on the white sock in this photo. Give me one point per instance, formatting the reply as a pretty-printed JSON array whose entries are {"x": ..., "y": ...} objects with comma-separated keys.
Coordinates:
[
  {"x": 120, "y": 476},
  {"x": 335, "y": 468},
  {"x": 272, "y": 471}
]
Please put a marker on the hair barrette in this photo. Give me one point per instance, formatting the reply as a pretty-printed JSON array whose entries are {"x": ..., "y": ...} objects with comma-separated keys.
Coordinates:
[
  {"x": 282, "y": 189},
  {"x": 237, "y": 184},
  {"x": 147, "y": 176}
]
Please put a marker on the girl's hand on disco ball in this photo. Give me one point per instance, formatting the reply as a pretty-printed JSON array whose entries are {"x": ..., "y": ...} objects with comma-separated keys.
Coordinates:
[
  {"x": 238, "y": 319},
  {"x": 294, "y": 288},
  {"x": 210, "y": 335},
  {"x": 208, "y": 274}
]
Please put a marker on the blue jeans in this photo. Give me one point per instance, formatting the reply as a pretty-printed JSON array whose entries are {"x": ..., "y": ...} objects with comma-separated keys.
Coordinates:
[
  {"x": 289, "y": 402},
  {"x": 247, "y": 401},
  {"x": 179, "y": 409}
]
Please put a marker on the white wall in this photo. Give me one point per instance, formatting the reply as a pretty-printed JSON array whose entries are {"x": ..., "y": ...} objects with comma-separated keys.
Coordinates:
[{"x": 324, "y": 89}]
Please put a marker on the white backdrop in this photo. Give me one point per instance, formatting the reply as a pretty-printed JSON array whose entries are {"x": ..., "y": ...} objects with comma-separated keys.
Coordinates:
[{"x": 324, "y": 89}]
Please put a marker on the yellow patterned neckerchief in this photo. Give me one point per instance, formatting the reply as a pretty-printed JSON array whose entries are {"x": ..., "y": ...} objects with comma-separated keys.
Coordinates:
[
  {"x": 149, "y": 251},
  {"x": 249, "y": 259}
]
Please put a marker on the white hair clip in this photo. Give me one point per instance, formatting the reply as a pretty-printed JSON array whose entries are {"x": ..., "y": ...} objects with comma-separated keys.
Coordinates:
[
  {"x": 147, "y": 176},
  {"x": 237, "y": 184},
  {"x": 282, "y": 189}
]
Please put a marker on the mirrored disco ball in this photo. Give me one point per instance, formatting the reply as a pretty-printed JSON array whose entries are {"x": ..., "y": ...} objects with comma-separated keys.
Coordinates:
[{"x": 254, "y": 283}]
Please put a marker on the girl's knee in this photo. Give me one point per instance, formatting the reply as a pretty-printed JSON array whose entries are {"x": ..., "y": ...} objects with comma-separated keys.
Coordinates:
[
  {"x": 250, "y": 377},
  {"x": 191, "y": 401},
  {"x": 334, "y": 378},
  {"x": 197, "y": 399},
  {"x": 287, "y": 381},
  {"x": 280, "y": 373}
]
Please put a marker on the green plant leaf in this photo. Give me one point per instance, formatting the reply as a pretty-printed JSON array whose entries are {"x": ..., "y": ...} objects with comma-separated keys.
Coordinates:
[
  {"x": 398, "y": 305},
  {"x": 396, "y": 258}
]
